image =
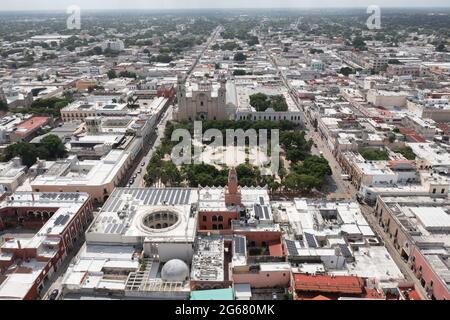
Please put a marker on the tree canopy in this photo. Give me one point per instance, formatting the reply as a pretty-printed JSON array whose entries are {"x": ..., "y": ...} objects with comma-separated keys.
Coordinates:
[
  {"x": 50, "y": 148},
  {"x": 372, "y": 154},
  {"x": 261, "y": 102}
]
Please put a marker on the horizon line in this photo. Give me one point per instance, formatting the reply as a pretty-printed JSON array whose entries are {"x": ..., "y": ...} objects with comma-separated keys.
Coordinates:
[{"x": 237, "y": 8}]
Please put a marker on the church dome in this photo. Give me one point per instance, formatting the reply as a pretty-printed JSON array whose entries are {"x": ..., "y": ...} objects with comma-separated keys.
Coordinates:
[{"x": 175, "y": 270}]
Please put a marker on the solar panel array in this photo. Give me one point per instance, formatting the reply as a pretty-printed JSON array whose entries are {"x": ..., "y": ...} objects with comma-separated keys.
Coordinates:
[
  {"x": 148, "y": 196},
  {"x": 60, "y": 196},
  {"x": 62, "y": 219},
  {"x": 239, "y": 245},
  {"x": 116, "y": 228},
  {"x": 311, "y": 240},
  {"x": 345, "y": 251},
  {"x": 291, "y": 247},
  {"x": 261, "y": 211}
]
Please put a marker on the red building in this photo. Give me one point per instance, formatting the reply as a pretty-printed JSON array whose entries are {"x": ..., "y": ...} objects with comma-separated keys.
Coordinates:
[
  {"x": 426, "y": 268},
  {"x": 219, "y": 215},
  {"x": 26, "y": 264}
]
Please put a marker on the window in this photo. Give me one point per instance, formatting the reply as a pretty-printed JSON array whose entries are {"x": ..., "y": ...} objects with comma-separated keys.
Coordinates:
[
  {"x": 434, "y": 190},
  {"x": 214, "y": 218},
  {"x": 204, "y": 218},
  {"x": 214, "y": 226},
  {"x": 443, "y": 190},
  {"x": 201, "y": 103}
]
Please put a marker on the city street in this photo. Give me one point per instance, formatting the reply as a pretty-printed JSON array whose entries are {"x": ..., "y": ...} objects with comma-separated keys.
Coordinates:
[
  {"x": 337, "y": 188},
  {"x": 140, "y": 170},
  {"x": 367, "y": 211}
]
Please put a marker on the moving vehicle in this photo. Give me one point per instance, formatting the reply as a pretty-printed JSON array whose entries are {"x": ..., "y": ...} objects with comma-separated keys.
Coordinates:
[{"x": 53, "y": 295}]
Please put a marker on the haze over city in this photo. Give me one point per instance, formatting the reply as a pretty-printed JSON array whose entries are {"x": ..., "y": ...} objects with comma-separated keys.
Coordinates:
[{"x": 204, "y": 4}]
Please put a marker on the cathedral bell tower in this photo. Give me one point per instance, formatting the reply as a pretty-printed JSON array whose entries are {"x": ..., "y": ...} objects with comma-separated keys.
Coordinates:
[
  {"x": 232, "y": 191},
  {"x": 222, "y": 91}
]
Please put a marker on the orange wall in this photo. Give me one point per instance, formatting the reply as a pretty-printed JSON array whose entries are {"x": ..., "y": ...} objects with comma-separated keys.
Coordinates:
[
  {"x": 264, "y": 279},
  {"x": 208, "y": 224}
]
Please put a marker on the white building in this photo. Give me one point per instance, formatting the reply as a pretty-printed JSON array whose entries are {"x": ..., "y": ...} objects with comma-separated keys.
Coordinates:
[
  {"x": 334, "y": 237},
  {"x": 383, "y": 98},
  {"x": 95, "y": 177},
  {"x": 115, "y": 45},
  {"x": 12, "y": 175}
]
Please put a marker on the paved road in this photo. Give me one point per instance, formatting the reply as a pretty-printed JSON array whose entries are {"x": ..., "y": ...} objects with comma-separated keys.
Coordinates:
[
  {"x": 335, "y": 186},
  {"x": 338, "y": 188},
  {"x": 57, "y": 277},
  {"x": 139, "y": 172},
  {"x": 210, "y": 40}
]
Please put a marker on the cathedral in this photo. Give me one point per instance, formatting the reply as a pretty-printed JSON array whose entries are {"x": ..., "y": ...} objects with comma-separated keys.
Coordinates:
[{"x": 203, "y": 100}]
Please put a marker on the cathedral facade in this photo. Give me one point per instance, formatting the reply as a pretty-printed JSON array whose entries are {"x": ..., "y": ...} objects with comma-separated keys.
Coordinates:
[{"x": 203, "y": 100}]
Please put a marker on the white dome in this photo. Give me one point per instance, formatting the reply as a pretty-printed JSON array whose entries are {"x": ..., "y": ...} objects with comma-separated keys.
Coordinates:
[{"x": 175, "y": 270}]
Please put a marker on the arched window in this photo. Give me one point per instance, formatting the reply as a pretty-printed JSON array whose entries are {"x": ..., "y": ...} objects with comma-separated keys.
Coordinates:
[
  {"x": 214, "y": 218},
  {"x": 214, "y": 226},
  {"x": 220, "y": 218}
]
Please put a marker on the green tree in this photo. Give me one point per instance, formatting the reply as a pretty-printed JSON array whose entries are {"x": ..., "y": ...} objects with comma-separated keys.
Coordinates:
[
  {"x": 112, "y": 74},
  {"x": 170, "y": 175},
  {"x": 358, "y": 43},
  {"x": 408, "y": 153},
  {"x": 127, "y": 74},
  {"x": 239, "y": 72},
  {"x": 240, "y": 57},
  {"x": 346, "y": 71},
  {"x": 54, "y": 146},
  {"x": 372, "y": 154},
  {"x": 3, "y": 105},
  {"x": 441, "y": 47},
  {"x": 97, "y": 50}
]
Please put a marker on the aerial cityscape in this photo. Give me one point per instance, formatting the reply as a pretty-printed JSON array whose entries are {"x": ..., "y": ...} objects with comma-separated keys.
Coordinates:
[{"x": 224, "y": 153}]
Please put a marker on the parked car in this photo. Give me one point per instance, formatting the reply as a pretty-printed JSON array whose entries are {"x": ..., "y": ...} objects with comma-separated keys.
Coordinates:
[
  {"x": 143, "y": 163},
  {"x": 54, "y": 294}
]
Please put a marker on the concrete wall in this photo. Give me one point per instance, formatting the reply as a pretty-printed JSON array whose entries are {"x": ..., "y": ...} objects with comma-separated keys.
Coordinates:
[
  {"x": 264, "y": 279},
  {"x": 427, "y": 276}
]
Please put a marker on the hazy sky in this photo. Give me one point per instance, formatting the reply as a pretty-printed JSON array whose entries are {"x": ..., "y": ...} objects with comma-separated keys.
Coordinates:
[{"x": 181, "y": 4}]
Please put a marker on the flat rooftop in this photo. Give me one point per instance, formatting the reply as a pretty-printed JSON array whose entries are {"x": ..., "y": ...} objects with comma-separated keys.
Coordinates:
[
  {"x": 208, "y": 260},
  {"x": 83, "y": 173},
  {"x": 122, "y": 218}
]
